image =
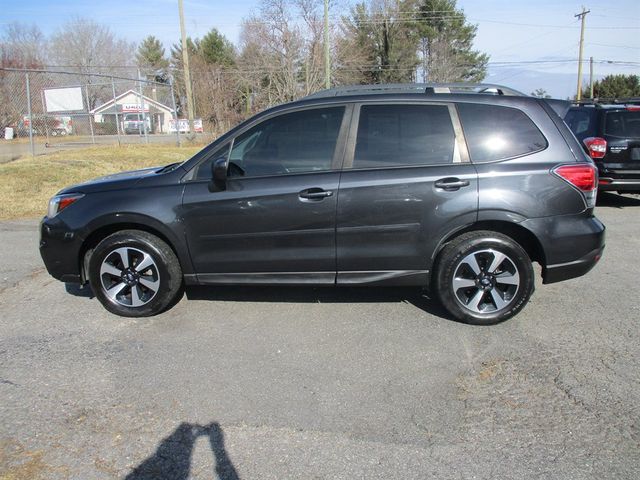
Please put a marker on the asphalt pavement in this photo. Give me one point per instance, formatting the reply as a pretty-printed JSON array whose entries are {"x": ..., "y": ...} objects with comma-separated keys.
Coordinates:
[{"x": 288, "y": 383}]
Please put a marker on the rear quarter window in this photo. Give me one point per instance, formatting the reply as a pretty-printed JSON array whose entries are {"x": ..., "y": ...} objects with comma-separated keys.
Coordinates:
[
  {"x": 497, "y": 133},
  {"x": 580, "y": 121}
]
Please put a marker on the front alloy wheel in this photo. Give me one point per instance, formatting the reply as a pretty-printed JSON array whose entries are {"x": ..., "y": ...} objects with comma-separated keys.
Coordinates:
[
  {"x": 130, "y": 277},
  {"x": 135, "y": 274}
]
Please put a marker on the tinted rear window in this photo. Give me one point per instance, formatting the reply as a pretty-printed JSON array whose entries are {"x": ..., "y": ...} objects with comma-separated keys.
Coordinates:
[
  {"x": 623, "y": 123},
  {"x": 496, "y": 133}
]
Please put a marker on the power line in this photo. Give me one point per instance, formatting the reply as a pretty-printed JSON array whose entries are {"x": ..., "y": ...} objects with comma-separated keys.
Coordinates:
[
  {"x": 613, "y": 46},
  {"x": 617, "y": 27}
]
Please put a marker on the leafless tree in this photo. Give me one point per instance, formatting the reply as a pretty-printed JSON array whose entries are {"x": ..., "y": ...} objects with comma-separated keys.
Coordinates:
[
  {"x": 215, "y": 94},
  {"x": 87, "y": 47},
  {"x": 282, "y": 51},
  {"x": 21, "y": 46}
]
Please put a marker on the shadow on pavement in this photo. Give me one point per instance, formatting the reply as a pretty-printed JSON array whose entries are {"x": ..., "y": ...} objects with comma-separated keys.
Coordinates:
[
  {"x": 172, "y": 458},
  {"x": 607, "y": 199},
  {"x": 298, "y": 294}
]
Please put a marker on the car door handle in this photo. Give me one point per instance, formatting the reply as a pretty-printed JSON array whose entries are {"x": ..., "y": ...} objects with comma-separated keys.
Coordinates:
[
  {"x": 314, "y": 194},
  {"x": 451, "y": 184}
]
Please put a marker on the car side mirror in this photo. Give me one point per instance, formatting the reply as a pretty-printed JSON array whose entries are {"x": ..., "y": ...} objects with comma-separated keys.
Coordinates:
[{"x": 219, "y": 173}]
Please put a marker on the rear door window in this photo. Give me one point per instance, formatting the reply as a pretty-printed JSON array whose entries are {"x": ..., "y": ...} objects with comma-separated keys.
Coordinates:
[
  {"x": 404, "y": 135},
  {"x": 497, "y": 133},
  {"x": 623, "y": 123}
]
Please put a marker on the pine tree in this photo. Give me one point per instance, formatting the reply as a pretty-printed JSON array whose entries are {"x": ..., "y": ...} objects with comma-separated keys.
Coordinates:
[
  {"x": 446, "y": 42},
  {"x": 615, "y": 86},
  {"x": 151, "y": 58},
  {"x": 216, "y": 49},
  {"x": 381, "y": 42}
]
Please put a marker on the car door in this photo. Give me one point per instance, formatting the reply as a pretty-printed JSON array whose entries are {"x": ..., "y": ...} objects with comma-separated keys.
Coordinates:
[
  {"x": 406, "y": 183},
  {"x": 275, "y": 221}
]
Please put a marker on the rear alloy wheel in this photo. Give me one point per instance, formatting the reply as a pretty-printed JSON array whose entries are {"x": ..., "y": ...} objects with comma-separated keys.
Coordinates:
[
  {"x": 134, "y": 274},
  {"x": 484, "y": 277}
]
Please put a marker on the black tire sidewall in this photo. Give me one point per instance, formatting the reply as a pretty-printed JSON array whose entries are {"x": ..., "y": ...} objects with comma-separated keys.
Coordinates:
[
  {"x": 455, "y": 252},
  {"x": 164, "y": 258}
]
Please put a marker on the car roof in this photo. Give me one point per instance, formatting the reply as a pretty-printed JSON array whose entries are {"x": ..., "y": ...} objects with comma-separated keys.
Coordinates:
[
  {"x": 416, "y": 92},
  {"x": 617, "y": 103},
  {"x": 417, "y": 88}
]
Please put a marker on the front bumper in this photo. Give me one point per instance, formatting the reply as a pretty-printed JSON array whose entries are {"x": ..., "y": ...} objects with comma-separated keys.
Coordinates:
[{"x": 60, "y": 250}]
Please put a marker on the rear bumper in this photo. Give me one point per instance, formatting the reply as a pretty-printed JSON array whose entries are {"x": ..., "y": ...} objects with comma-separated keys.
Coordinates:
[
  {"x": 619, "y": 184},
  {"x": 60, "y": 249},
  {"x": 576, "y": 268},
  {"x": 619, "y": 176},
  {"x": 572, "y": 244}
]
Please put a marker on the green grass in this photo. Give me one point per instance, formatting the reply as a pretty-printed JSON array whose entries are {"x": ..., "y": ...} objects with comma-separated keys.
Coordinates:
[{"x": 26, "y": 184}]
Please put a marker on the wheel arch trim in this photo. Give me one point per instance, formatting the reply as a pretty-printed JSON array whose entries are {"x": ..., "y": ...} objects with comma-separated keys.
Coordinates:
[
  {"x": 102, "y": 227},
  {"x": 519, "y": 233}
]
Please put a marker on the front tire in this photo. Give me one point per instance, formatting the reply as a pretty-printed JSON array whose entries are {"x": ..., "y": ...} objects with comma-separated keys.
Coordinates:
[
  {"x": 135, "y": 274},
  {"x": 483, "y": 277}
]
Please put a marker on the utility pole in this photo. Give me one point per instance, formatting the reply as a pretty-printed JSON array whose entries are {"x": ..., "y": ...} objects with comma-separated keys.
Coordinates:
[
  {"x": 582, "y": 16},
  {"x": 590, "y": 77},
  {"x": 327, "y": 59},
  {"x": 185, "y": 65}
]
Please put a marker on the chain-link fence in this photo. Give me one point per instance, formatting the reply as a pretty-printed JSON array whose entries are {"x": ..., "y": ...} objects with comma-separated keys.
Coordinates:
[{"x": 46, "y": 109}]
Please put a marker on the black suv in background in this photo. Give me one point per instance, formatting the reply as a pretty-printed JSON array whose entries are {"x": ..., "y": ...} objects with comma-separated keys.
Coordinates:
[
  {"x": 609, "y": 131},
  {"x": 454, "y": 188}
]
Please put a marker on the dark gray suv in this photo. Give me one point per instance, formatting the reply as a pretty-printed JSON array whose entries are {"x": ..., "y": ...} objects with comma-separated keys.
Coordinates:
[{"x": 454, "y": 188}]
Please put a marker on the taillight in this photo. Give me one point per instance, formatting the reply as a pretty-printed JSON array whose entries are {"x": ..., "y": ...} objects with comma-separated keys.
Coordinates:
[
  {"x": 596, "y": 146},
  {"x": 584, "y": 177}
]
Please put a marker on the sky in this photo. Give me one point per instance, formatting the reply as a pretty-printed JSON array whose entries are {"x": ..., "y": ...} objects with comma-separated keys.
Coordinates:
[{"x": 531, "y": 44}]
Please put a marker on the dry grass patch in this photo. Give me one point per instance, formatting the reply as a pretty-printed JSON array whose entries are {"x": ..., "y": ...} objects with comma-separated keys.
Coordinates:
[{"x": 27, "y": 184}]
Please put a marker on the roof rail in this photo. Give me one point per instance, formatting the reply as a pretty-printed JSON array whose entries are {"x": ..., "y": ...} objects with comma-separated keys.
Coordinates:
[
  {"x": 607, "y": 101},
  {"x": 426, "y": 88}
]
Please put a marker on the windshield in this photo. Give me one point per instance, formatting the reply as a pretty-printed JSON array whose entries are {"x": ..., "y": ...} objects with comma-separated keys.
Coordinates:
[{"x": 623, "y": 123}]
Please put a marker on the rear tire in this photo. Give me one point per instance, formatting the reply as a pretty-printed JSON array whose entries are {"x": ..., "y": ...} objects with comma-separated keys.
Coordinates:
[
  {"x": 135, "y": 274},
  {"x": 483, "y": 277}
]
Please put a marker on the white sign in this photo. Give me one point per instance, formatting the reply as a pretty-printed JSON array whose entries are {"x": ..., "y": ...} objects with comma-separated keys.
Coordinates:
[
  {"x": 63, "y": 99},
  {"x": 135, "y": 107},
  {"x": 183, "y": 125}
]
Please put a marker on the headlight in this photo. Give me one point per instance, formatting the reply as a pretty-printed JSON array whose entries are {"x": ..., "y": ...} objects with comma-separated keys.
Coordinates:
[{"x": 60, "y": 202}]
